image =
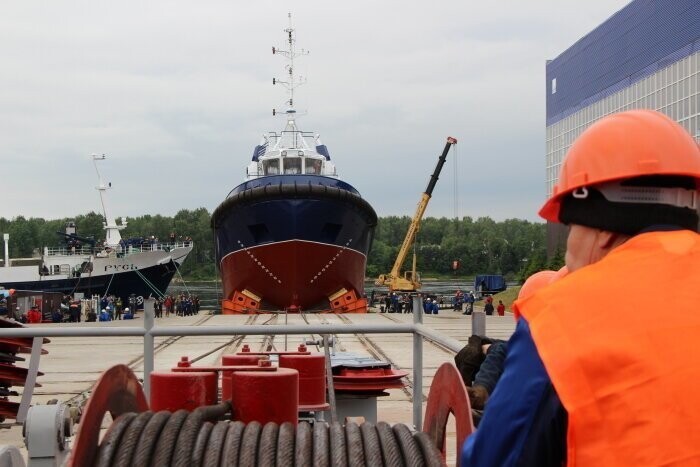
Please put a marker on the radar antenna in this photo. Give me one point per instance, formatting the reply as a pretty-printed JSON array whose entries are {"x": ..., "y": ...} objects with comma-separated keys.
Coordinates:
[
  {"x": 291, "y": 82},
  {"x": 112, "y": 235}
]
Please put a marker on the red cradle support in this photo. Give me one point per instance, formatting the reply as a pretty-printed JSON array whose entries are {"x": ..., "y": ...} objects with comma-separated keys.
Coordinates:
[
  {"x": 448, "y": 396},
  {"x": 117, "y": 391}
]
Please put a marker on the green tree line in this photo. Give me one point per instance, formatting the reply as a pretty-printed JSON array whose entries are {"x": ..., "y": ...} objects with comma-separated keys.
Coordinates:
[{"x": 513, "y": 247}]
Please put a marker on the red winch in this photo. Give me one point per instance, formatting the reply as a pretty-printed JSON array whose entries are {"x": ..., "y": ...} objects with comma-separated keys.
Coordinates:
[{"x": 265, "y": 430}]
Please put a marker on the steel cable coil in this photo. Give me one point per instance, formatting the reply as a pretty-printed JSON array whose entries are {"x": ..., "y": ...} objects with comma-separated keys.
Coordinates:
[
  {"x": 321, "y": 445},
  {"x": 267, "y": 449},
  {"x": 144, "y": 450},
  {"x": 232, "y": 444},
  {"x": 339, "y": 453},
  {"x": 110, "y": 443},
  {"x": 285, "y": 445},
  {"x": 353, "y": 442},
  {"x": 201, "y": 444},
  {"x": 248, "y": 457},
  {"x": 391, "y": 453},
  {"x": 130, "y": 439},
  {"x": 303, "y": 452},
  {"x": 196, "y": 439}
]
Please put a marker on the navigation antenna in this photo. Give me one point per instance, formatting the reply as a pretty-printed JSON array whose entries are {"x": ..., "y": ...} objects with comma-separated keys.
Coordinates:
[
  {"x": 112, "y": 235},
  {"x": 291, "y": 82}
]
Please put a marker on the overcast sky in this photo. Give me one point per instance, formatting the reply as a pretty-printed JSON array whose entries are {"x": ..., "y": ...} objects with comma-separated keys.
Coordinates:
[{"x": 177, "y": 94}]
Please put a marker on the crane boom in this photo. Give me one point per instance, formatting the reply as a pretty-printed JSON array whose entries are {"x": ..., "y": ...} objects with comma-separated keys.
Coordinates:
[{"x": 393, "y": 279}]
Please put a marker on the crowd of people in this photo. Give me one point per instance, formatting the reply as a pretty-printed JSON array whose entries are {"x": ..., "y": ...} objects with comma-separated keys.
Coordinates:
[
  {"x": 107, "y": 308},
  {"x": 178, "y": 305},
  {"x": 395, "y": 302}
]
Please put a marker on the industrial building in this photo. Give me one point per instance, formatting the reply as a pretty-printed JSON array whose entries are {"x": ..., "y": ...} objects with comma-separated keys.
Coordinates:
[{"x": 645, "y": 56}]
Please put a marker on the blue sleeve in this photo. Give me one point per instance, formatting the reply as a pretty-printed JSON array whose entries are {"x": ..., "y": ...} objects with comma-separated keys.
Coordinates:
[
  {"x": 524, "y": 422},
  {"x": 491, "y": 369}
]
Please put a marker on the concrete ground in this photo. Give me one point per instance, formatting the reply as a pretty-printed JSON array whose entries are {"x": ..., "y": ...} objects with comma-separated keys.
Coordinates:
[{"x": 73, "y": 364}]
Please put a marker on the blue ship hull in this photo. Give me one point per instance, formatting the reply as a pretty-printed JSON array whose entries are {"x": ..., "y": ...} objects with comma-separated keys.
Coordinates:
[{"x": 293, "y": 239}]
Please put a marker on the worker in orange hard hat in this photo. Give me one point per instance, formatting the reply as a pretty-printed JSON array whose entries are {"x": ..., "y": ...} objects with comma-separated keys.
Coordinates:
[{"x": 585, "y": 382}]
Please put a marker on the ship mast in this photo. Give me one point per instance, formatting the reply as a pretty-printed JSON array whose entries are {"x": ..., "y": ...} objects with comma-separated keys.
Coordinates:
[
  {"x": 291, "y": 82},
  {"x": 112, "y": 235}
]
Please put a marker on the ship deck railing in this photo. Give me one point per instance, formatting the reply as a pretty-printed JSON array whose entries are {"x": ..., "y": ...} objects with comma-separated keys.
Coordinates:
[
  {"x": 149, "y": 332},
  {"x": 126, "y": 249}
]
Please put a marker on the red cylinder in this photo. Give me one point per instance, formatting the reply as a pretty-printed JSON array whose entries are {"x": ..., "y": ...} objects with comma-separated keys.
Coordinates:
[
  {"x": 265, "y": 396},
  {"x": 226, "y": 375},
  {"x": 174, "y": 391},
  {"x": 312, "y": 379}
]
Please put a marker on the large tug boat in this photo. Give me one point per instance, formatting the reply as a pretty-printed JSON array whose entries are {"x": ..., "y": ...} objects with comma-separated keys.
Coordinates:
[
  {"x": 293, "y": 235},
  {"x": 138, "y": 267}
]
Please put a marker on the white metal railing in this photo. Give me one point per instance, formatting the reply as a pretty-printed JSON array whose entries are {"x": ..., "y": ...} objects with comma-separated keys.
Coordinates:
[
  {"x": 149, "y": 331},
  {"x": 155, "y": 246},
  {"x": 126, "y": 249},
  {"x": 65, "y": 251}
]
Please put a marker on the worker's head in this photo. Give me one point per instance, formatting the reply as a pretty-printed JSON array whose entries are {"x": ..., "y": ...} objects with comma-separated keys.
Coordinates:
[
  {"x": 126, "y": 310},
  {"x": 628, "y": 172}
]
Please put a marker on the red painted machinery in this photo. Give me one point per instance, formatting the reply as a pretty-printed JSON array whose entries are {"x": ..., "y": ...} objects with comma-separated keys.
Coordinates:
[
  {"x": 263, "y": 433},
  {"x": 10, "y": 374}
]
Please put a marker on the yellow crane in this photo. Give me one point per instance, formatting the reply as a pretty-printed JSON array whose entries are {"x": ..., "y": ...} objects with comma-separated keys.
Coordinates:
[{"x": 410, "y": 282}]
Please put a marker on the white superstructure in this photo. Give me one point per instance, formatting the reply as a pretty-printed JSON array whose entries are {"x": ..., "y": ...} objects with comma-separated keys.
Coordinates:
[{"x": 292, "y": 151}]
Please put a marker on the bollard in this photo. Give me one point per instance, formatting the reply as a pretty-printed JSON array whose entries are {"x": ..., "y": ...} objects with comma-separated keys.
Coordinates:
[
  {"x": 479, "y": 323},
  {"x": 174, "y": 391},
  {"x": 265, "y": 397}
]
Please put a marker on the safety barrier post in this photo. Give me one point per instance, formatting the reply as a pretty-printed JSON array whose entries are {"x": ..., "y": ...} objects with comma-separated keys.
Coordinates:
[
  {"x": 417, "y": 364},
  {"x": 30, "y": 382},
  {"x": 478, "y": 323},
  {"x": 148, "y": 345}
]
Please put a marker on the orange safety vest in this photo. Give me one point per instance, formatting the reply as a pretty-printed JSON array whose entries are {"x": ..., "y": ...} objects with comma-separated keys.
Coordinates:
[{"x": 619, "y": 340}]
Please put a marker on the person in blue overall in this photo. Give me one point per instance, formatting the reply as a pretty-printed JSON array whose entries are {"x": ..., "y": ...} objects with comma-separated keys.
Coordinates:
[
  {"x": 104, "y": 315},
  {"x": 469, "y": 299}
]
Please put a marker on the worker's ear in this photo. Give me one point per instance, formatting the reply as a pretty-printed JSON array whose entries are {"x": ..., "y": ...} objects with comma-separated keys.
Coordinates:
[{"x": 609, "y": 240}]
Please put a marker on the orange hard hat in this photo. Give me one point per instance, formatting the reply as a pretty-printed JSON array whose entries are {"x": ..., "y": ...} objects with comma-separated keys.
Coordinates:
[
  {"x": 535, "y": 282},
  {"x": 622, "y": 146}
]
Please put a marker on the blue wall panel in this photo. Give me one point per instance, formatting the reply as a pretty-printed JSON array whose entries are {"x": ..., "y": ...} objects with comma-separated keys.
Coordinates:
[{"x": 643, "y": 37}]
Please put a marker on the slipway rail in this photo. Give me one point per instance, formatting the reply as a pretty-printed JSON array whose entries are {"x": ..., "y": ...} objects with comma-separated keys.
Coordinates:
[{"x": 149, "y": 331}]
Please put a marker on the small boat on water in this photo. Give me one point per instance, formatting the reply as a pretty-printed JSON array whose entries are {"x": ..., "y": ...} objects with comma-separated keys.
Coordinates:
[
  {"x": 118, "y": 267},
  {"x": 293, "y": 235}
]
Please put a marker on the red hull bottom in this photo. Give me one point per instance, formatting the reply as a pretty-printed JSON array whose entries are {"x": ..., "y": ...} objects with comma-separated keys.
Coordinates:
[{"x": 294, "y": 275}]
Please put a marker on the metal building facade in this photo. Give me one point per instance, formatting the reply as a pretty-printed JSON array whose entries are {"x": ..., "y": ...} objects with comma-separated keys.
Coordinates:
[{"x": 645, "y": 56}]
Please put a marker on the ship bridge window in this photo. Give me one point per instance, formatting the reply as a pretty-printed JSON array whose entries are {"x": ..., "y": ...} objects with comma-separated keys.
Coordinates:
[
  {"x": 292, "y": 165},
  {"x": 271, "y": 167},
  {"x": 313, "y": 166}
]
